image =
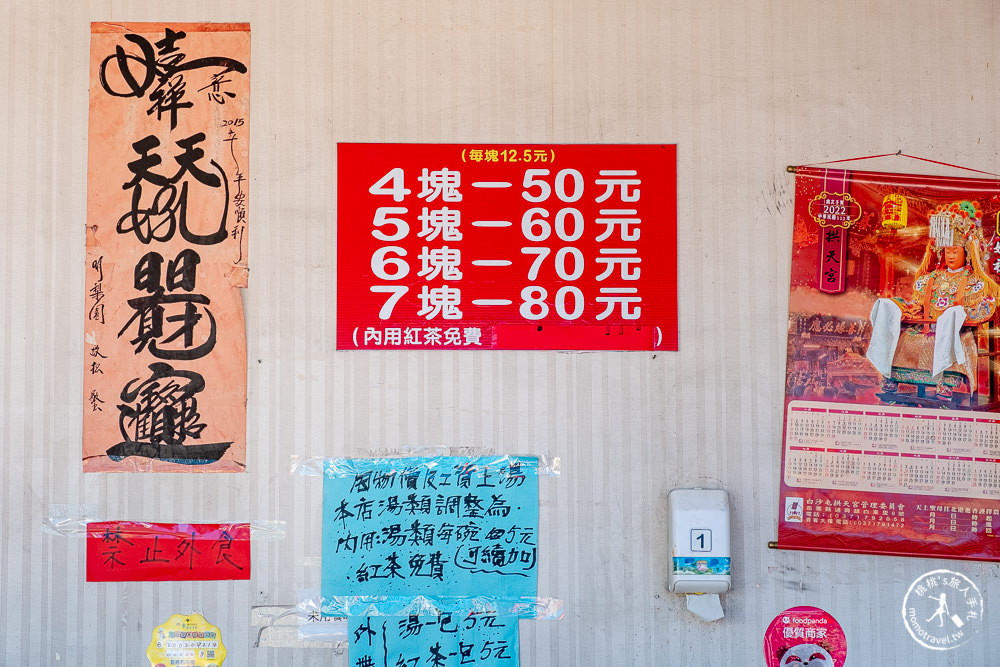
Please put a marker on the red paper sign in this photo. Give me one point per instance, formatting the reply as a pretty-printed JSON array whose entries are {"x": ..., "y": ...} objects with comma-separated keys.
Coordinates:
[
  {"x": 890, "y": 445},
  {"x": 471, "y": 246},
  {"x": 134, "y": 551}
]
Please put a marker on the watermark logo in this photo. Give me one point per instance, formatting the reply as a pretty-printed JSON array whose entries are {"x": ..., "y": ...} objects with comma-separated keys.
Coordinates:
[{"x": 943, "y": 610}]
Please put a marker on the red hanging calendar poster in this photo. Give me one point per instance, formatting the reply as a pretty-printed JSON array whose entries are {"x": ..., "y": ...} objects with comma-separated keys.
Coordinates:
[{"x": 892, "y": 398}]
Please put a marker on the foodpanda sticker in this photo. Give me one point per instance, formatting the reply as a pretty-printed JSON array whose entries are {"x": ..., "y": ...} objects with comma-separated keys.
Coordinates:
[
  {"x": 804, "y": 637},
  {"x": 186, "y": 640}
]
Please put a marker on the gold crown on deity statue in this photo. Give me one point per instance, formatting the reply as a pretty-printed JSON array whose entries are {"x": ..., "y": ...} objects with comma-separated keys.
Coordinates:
[{"x": 956, "y": 224}]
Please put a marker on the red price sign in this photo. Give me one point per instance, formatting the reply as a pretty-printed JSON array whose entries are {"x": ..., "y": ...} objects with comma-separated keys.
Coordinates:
[{"x": 507, "y": 247}]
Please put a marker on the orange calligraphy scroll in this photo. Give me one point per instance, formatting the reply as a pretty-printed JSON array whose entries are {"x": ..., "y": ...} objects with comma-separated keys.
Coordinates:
[{"x": 167, "y": 193}]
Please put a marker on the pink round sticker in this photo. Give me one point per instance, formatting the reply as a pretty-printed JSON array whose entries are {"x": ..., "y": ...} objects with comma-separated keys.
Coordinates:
[{"x": 804, "y": 637}]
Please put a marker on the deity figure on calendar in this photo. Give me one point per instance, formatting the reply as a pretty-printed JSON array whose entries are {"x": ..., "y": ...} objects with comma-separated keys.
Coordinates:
[{"x": 929, "y": 338}]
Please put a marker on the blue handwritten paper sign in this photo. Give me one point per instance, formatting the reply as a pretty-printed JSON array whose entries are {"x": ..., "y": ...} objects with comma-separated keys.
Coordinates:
[
  {"x": 441, "y": 641},
  {"x": 442, "y": 526}
]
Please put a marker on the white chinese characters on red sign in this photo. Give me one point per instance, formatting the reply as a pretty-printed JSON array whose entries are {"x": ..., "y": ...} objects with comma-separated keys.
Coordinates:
[{"x": 538, "y": 247}]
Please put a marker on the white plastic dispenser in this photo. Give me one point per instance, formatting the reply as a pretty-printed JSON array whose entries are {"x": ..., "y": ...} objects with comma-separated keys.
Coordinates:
[{"x": 699, "y": 541}]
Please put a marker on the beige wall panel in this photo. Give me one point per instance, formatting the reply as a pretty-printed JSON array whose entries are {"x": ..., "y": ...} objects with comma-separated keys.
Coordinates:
[{"x": 743, "y": 89}]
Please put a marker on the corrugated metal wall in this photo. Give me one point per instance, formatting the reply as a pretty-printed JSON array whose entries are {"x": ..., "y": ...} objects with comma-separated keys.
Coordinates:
[{"x": 743, "y": 88}]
